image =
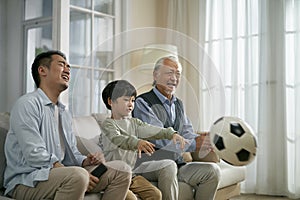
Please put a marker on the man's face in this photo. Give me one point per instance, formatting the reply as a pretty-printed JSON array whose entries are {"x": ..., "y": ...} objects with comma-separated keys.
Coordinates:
[
  {"x": 167, "y": 77},
  {"x": 58, "y": 73}
]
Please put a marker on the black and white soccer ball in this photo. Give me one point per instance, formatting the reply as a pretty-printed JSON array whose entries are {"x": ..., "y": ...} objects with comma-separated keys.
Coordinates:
[{"x": 233, "y": 140}]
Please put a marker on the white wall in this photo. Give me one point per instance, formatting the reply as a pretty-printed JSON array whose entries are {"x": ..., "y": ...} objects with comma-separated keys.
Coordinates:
[
  {"x": 142, "y": 17},
  {"x": 2, "y": 55},
  {"x": 11, "y": 53}
]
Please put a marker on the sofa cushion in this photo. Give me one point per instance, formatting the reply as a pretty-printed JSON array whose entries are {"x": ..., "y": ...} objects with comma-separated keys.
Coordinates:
[
  {"x": 87, "y": 133},
  {"x": 4, "y": 125},
  {"x": 2, "y": 155},
  {"x": 100, "y": 117},
  {"x": 231, "y": 174}
]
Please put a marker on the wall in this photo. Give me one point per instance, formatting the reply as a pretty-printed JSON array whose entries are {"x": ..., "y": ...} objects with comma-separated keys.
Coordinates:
[
  {"x": 15, "y": 67},
  {"x": 143, "y": 14},
  {"x": 2, "y": 55},
  {"x": 144, "y": 19},
  {"x": 12, "y": 78},
  {"x": 10, "y": 53}
]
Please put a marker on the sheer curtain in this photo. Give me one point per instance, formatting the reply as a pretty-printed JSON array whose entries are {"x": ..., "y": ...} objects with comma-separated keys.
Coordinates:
[{"x": 255, "y": 45}]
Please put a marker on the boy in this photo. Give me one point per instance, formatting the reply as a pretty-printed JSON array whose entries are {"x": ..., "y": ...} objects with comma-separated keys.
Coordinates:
[{"x": 122, "y": 135}]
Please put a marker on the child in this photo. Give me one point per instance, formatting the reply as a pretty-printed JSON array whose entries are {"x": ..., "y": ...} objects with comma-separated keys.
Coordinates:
[{"x": 123, "y": 135}]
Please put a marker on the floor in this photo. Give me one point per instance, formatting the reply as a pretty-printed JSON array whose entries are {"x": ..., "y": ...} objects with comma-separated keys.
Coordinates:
[{"x": 258, "y": 197}]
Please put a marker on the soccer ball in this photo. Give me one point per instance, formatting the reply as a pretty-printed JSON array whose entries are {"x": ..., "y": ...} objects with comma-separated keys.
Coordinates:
[{"x": 233, "y": 140}]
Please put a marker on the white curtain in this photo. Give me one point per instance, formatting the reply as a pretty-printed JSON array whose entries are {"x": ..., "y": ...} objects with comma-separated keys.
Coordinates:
[{"x": 255, "y": 45}]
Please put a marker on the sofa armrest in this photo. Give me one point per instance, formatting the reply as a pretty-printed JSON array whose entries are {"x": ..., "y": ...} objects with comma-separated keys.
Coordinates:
[
  {"x": 87, "y": 133},
  {"x": 86, "y": 146},
  {"x": 4, "y": 126}
]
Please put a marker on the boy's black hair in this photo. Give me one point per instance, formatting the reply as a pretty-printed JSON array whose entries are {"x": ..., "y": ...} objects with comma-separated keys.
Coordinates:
[
  {"x": 44, "y": 59},
  {"x": 116, "y": 89}
]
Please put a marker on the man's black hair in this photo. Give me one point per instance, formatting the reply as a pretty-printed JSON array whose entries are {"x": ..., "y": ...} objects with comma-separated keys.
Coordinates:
[{"x": 44, "y": 59}]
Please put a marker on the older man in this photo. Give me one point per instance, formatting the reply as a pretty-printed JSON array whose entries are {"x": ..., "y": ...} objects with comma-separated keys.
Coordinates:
[{"x": 162, "y": 108}]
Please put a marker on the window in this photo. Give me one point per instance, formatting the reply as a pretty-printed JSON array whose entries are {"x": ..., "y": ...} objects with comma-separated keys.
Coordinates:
[
  {"x": 292, "y": 41},
  {"x": 38, "y": 33},
  {"x": 255, "y": 44},
  {"x": 91, "y": 50},
  {"x": 231, "y": 39},
  {"x": 91, "y": 25}
]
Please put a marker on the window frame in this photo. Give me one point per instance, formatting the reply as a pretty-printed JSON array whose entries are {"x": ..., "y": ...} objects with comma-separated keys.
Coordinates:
[{"x": 60, "y": 21}]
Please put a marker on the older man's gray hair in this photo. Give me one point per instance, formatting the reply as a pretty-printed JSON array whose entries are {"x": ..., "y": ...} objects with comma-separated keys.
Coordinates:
[{"x": 160, "y": 62}]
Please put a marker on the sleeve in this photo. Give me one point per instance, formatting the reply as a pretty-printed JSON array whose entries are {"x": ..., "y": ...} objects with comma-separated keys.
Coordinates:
[
  {"x": 187, "y": 129},
  {"x": 118, "y": 137},
  {"x": 25, "y": 124},
  {"x": 150, "y": 132}
]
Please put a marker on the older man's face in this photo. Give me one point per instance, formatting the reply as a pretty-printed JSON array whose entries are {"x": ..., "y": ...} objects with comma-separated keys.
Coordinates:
[{"x": 167, "y": 77}]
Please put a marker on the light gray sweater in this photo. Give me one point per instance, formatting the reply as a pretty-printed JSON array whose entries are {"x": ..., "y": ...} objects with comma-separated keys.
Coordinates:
[{"x": 119, "y": 138}]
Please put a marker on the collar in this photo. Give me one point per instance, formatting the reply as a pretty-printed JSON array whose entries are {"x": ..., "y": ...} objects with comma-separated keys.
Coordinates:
[
  {"x": 162, "y": 98},
  {"x": 46, "y": 100}
]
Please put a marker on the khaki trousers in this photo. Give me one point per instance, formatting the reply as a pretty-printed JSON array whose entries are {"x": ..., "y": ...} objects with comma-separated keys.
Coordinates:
[
  {"x": 144, "y": 189},
  {"x": 164, "y": 172},
  {"x": 203, "y": 176},
  {"x": 70, "y": 183}
]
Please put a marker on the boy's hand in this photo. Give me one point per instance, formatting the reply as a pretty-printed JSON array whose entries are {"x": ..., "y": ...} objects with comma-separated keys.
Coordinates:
[
  {"x": 145, "y": 146},
  {"x": 180, "y": 139}
]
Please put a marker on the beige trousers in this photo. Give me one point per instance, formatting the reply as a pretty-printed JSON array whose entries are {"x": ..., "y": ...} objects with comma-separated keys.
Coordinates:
[
  {"x": 66, "y": 183},
  {"x": 144, "y": 189},
  {"x": 164, "y": 172},
  {"x": 203, "y": 176}
]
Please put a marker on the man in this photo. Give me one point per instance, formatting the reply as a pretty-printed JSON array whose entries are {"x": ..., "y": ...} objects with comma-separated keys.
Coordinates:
[
  {"x": 43, "y": 161},
  {"x": 162, "y": 108}
]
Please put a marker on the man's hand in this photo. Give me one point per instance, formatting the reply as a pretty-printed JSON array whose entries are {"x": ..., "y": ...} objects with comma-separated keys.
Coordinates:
[
  {"x": 203, "y": 144},
  {"x": 180, "y": 139},
  {"x": 57, "y": 164},
  {"x": 92, "y": 183},
  {"x": 145, "y": 146},
  {"x": 94, "y": 159}
]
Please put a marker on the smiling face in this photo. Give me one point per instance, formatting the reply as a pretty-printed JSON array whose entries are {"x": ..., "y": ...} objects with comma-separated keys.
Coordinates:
[
  {"x": 167, "y": 77},
  {"x": 57, "y": 75},
  {"x": 122, "y": 107}
]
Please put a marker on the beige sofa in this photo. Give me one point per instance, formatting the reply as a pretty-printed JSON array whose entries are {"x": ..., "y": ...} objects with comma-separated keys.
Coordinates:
[{"x": 87, "y": 132}]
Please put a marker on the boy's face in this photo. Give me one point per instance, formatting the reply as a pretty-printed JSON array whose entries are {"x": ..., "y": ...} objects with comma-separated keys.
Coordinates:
[{"x": 122, "y": 107}]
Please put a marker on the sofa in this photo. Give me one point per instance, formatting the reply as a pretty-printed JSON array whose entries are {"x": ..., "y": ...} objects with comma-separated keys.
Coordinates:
[{"x": 87, "y": 131}]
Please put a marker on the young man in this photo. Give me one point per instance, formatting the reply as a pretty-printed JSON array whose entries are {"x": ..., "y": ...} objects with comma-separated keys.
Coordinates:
[
  {"x": 123, "y": 136},
  {"x": 43, "y": 161},
  {"x": 160, "y": 107}
]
